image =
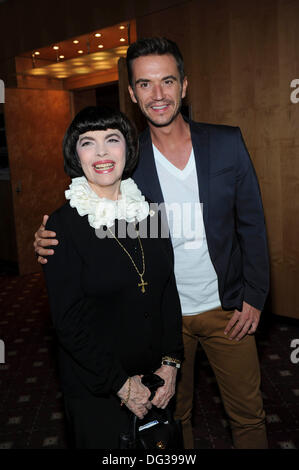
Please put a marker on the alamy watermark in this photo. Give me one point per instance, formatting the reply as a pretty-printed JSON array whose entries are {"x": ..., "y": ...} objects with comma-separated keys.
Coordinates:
[
  {"x": 2, "y": 92},
  {"x": 2, "y": 352},
  {"x": 182, "y": 221},
  {"x": 294, "y": 97},
  {"x": 295, "y": 354}
]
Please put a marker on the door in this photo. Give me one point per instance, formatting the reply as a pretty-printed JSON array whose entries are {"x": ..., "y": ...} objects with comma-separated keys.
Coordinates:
[{"x": 36, "y": 121}]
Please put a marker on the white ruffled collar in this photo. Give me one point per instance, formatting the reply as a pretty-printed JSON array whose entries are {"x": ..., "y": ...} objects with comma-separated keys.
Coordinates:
[{"x": 130, "y": 206}]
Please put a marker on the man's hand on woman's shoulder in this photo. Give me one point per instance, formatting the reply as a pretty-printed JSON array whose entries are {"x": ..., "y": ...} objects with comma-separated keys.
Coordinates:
[{"x": 42, "y": 239}]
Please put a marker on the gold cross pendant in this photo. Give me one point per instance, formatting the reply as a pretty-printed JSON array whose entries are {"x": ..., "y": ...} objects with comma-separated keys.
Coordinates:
[{"x": 142, "y": 284}]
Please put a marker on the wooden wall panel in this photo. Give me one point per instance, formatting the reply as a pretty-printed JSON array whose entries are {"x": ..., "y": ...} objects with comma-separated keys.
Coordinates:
[
  {"x": 36, "y": 121},
  {"x": 266, "y": 61},
  {"x": 240, "y": 58}
]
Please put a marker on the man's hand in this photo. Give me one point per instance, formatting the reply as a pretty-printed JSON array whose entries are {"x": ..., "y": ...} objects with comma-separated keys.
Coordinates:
[
  {"x": 245, "y": 322},
  {"x": 42, "y": 240},
  {"x": 138, "y": 401},
  {"x": 166, "y": 392}
]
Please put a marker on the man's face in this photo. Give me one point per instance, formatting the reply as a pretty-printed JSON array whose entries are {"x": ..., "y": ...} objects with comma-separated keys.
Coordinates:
[{"x": 157, "y": 88}]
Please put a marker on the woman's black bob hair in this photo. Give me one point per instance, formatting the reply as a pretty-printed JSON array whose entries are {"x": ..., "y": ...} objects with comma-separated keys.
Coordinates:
[{"x": 98, "y": 118}]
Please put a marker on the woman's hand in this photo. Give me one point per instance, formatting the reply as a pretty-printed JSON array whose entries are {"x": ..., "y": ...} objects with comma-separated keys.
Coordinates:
[
  {"x": 139, "y": 395},
  {"x": 165, "y": 393},
  {"x": 42, "y": 240}
]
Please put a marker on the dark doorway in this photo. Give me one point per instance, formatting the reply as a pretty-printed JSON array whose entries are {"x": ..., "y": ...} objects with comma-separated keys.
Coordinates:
[
  {"x": 107, "y": 95},
  {"x": 103, "y": 95}
]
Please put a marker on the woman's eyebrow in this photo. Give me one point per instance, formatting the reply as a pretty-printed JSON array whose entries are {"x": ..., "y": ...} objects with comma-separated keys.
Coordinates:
[
  {"x": 113, "y": 134},
  {"x": 85, "y": 137},
  {"x": 107, "y": 136}
]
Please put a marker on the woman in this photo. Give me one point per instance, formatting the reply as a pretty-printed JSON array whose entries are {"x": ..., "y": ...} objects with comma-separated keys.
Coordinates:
[{"x": 113, "y": 297}]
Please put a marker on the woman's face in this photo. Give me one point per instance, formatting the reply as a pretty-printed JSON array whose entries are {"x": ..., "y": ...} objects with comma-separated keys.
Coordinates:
[{"x": 103, "y": 156}]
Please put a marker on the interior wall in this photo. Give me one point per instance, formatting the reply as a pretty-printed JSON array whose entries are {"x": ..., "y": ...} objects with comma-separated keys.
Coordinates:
[
  {"x": 240, "y": 58},
  {"x": 36, "y": 121},
  {"x": 83, "y": 98}
]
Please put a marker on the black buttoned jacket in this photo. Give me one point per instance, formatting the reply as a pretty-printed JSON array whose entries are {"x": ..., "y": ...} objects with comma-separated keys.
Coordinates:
[{"x": 107, "y": 328}]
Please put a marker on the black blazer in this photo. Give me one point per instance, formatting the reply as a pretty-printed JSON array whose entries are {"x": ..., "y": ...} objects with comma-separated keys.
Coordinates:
[
  {"x": 106, "y": 327},
  {"x": 232, "y": 210}
]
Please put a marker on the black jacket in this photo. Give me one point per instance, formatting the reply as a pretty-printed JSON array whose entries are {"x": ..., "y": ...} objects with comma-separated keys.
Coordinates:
[
  {"x": 232, "y": 210},
  {"x": 106, "y": 327}
]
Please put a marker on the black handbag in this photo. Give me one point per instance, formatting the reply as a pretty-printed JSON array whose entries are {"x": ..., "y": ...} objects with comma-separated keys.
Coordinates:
[{"x": 157, "y": 430}]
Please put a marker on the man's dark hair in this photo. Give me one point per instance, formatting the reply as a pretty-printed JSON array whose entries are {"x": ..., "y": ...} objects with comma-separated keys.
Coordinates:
[
  {"x": 98, "y": 118},
  {"x": 158, "y": 46}
]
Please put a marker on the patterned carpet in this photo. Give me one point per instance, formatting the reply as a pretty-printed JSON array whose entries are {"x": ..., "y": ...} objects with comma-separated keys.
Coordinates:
[{"x": 31, "y": 411}]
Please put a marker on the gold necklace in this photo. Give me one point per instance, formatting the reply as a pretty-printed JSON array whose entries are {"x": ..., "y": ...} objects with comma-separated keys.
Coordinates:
[{"x": 142, "y": 282}]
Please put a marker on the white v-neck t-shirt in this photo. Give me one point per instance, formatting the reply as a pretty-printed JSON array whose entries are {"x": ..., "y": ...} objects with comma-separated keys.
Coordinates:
[{"x": 194, "y": 272}]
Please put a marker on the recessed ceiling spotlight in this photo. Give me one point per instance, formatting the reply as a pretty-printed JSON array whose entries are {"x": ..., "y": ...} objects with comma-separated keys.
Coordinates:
[
  {"x": 80, "y": 52},
  {"x": 98, "y": 35},
  {"x": 56, "y": 48},
  {"x": 100, "y": 46},
  {"x": 122, "y": 27},
  {"x": 76, "y": 41},
  {"x": 122, "y": 40}
]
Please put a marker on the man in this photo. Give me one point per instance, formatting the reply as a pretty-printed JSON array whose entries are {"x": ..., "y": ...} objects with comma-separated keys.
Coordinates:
[{"x": 223, "y": 280}]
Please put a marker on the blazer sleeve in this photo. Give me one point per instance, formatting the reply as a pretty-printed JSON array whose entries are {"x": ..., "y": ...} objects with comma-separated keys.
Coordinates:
[
  {"x": 251, "y": 229},
  {"x": 172, "y": 315},
  {"x": 82, "y": 328}
]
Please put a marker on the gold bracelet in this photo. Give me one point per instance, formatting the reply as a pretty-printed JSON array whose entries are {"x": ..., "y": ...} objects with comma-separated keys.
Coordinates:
[
  {"x": 124, "y": 402},
  {"x": 171, "y": 359}
]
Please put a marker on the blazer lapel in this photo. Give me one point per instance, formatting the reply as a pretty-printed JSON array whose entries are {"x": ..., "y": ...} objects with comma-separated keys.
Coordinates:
[
  {"x": 200, "y": 142},
  {"x": 146, "y": 174}
]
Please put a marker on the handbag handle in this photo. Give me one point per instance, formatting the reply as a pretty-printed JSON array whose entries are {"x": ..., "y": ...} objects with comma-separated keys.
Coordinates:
[{"x": 134, "y": 419}]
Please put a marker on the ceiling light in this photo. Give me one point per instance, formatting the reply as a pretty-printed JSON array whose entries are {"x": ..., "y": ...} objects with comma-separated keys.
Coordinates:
[
  {"x": 80, "y": 52},
  {"x": 37, "y": 53},
  {"x": 39, "y": 71},
  {"x": 98, "y": 35},
  {"x": 56, "y": 48},
  {"x": 61, "y": 57},
  {"x": 122, "y": 39},
  {"x": 76, "y": 41},
  {"x": 122, "y": 27},
  {"x": 77, "y": 61},
  {"x": 83, "y": 69},
  {"x": 56, "y": 66},
  {"x": 100, "y": 46}
]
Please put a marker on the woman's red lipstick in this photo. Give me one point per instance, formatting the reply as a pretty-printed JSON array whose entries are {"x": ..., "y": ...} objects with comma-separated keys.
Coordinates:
[{"x": 103, "y": 166}]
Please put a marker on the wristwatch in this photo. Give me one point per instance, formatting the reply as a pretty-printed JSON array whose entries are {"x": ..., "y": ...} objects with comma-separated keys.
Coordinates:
[{"x": 170, "y": 361}]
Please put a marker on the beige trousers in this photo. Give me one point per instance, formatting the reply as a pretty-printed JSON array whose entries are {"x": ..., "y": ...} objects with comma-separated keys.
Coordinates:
[{"x": 237, "y": 371}]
